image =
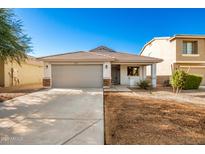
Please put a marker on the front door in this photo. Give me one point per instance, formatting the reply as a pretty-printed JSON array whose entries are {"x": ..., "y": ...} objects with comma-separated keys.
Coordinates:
[{"x": 115, "y": 71}]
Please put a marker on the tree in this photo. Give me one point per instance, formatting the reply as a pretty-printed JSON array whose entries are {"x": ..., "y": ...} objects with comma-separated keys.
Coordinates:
[{"x": 14, "y": 44}]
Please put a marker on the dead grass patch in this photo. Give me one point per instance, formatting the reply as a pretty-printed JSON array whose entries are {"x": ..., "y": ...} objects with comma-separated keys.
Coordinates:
[{"x": 131, "y": 119}]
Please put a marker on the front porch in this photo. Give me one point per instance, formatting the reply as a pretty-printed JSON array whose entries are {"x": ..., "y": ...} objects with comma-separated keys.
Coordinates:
[{"x": 128, "y": 75}]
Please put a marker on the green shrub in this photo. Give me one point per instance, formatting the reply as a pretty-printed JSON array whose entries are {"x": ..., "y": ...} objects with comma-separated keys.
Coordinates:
[
  {"x": 182, "y": 80},
  {"x": 144, "y": 84},
  {"x": 178, "y": 80},
  {"x": 192, "y": 82}
]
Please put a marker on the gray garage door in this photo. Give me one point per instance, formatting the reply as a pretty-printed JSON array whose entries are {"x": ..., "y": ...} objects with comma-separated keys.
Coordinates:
[{"x": 77, "y": 76}]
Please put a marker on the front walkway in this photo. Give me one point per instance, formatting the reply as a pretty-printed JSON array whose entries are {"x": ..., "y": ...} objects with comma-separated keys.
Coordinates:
[
  {"x": 54, "y": 116},
  {"x": 118, "y": 88}
]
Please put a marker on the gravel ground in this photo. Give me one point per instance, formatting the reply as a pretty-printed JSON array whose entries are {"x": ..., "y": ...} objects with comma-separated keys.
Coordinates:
[{"x": 196, "y": 97}]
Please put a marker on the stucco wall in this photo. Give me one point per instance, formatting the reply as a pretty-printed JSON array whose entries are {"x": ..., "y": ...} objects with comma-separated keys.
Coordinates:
[
  {"x": 179, "y": 50},
  {"x": 163, "y": 49},
  {"x": 194, "y": 69},
  {"x": 197, "y": 71},
  {"x": 1, "y": 73},
  {"x": 25, "y": 74},
  {"x": 125, "y": 79}
]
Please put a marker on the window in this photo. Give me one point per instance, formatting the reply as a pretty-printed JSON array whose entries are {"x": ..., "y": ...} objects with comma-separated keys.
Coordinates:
[
  {"x": 190, "y": 47},
  {"x": 132, "y": 71}
]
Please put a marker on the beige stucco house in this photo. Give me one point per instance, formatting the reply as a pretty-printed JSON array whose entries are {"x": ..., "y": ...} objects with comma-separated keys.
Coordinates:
[
  {"x": 180, "y": 51},
  {"x": 13, "y": 74},
  {"x": 99, "y": 67}
]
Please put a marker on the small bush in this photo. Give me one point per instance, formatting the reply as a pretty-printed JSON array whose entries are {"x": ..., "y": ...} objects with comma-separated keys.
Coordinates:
[
  {"x": 192, "y": 82},
  {"x": 144, "y": 84},
  {"x": 178, "y": 80}
]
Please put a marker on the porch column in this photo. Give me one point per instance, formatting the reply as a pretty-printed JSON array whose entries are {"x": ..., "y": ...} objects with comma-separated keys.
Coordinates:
[
  {"x": 106, "y": 74},
  {"x": 47, "y": 75},
  {"x": 143, "y": 72},
  {"x": 154, "y": 75}
]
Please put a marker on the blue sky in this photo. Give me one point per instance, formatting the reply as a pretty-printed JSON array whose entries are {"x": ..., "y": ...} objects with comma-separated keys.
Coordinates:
[{"x": 56, "y": 31}]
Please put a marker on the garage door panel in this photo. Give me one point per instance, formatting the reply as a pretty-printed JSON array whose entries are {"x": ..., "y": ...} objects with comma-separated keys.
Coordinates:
[{"x": 76, "y": 76}]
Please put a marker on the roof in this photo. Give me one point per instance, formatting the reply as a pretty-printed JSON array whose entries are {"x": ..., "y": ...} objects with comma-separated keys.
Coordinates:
[
  {"x": 187, "y": 36},
  {"x": 30, "y": 60},
  {"x": 33, "y": 61},
  {"x": 100, "y": 54}
]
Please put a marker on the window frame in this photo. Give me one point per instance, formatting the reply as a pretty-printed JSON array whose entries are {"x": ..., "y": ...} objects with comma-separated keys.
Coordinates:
[
  {"x": 132, "y": 74},
  {"x": 194, "y": 47}
]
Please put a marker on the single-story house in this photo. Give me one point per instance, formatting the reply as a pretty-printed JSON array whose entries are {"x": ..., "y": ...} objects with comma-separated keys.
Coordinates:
[
  {"x": 28, "y": 72},
  {"x": 99, "y": 67}
]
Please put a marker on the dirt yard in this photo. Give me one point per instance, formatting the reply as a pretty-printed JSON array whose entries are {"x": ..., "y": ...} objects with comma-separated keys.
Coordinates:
[
  {"x": 143, "y": 118},
  {"x": 9, "y": 93}
]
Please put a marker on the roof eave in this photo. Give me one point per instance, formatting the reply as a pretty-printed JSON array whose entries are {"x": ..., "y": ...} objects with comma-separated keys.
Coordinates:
[
  {"x": 139, "y": 61},
  {"x": 187, "y": 36},
  {"x": 146, "y": 45},
  {"x": 99, "y": 60},
  {"x": 76, "y": 60}
]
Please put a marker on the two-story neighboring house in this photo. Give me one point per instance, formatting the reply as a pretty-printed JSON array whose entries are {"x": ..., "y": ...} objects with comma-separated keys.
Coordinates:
[{"x": 186, "y": 52}]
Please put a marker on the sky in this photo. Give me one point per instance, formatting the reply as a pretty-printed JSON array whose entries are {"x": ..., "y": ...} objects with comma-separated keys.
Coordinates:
[{"x": 55, "y": 31}]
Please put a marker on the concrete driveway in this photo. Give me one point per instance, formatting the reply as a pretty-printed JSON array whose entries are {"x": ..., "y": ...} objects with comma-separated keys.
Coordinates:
[{"x": 53, "y": 116}]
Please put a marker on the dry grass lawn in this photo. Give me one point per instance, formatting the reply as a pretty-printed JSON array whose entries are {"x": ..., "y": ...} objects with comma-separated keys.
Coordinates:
[{"x": 140, "y": 119}]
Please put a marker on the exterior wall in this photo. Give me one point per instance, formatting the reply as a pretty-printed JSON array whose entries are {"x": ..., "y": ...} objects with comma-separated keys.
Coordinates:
[
  {"x": 200, "y": 72},
  {"x": 106, "y": 83},
  {"x": 161, "y": 49},
  {"x": 183, "y": 57},
  {"x": 46, "y": 82},
  {"x": 1, "y": 73},
  {"x": 130, "y": 80},
  {"x": 25, "y": 74},
  {"x": 160, "y": 79},
  {"x": 195, "y": 69}
]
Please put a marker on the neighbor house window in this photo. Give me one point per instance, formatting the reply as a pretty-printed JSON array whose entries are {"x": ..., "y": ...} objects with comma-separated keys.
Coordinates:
[
  {"x": 132, "y": 71},
  {"x": 190, "y": 47}
]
